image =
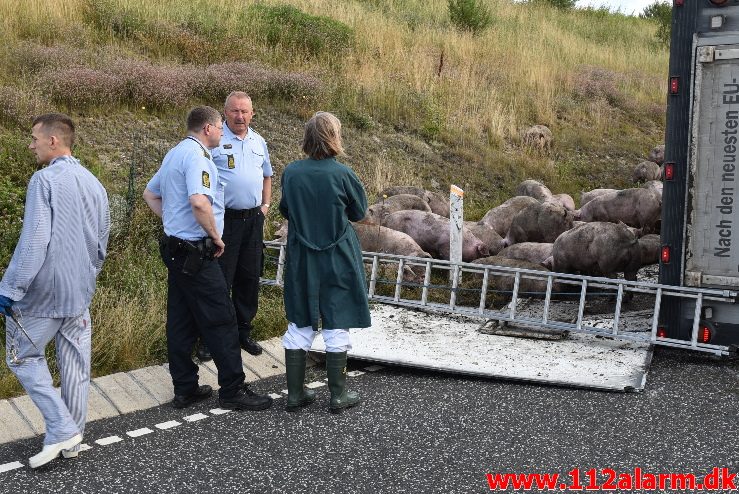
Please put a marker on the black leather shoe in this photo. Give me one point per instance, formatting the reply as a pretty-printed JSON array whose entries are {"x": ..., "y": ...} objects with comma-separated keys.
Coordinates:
[
  {"x": 203, "y": 353},
  {"x": 247, "y": 343},
  {"x": 183, "y": 401},
  {"x": 246, "y": 399}
]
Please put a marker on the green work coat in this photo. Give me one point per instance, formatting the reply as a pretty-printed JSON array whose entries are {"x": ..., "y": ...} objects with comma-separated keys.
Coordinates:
[{"x": 324, "y": 272}]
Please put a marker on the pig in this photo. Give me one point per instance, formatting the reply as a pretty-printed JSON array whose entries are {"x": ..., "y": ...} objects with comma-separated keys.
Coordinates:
[
  {"x": 645, "y": 171},
  {"x": 597, "y": 249},
  {"x": 564, "y": 200},
  {"x": 649, "y": 246},
  {"x": 489, "y": 237},
  {"x": 639, "y": 207},
  {"x": 534, "y": 189},
  {"x": 541, "y": 222},
  {"x": 431, "y": 232},
  {"x": 499, "y": 218},
  {"x": 376, "y": 238},
  {"x": 529, "y": 285},
  {"x": 586, "y": 197},
  {"x": 400, "y": 202},
  {"x": 534, "y": 252},
  {"x": 658, "y": 154},
  {"x": 281, "y": 233},
  {"x": 437, "y": 202}
]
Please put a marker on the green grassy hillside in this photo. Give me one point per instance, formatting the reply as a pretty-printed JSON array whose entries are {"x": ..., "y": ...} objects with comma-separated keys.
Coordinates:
[{"x": 422, "y": 103}]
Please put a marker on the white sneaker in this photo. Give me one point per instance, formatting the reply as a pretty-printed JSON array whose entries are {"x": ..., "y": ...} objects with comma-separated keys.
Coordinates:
[{"x": 51, "y": 451}]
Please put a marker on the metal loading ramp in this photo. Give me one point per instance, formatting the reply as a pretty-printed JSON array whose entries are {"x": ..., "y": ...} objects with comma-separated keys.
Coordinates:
[
  {"x": 453, "y": 343},
  {"x": 590, "y": 331}
]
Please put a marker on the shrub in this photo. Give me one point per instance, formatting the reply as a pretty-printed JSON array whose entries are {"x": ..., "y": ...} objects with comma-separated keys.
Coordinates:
[
  {"x": 661, "y": 13},
  {"x": 470, "y": 15},
  {"x": 560, "y": 4},
  {"x": 19, "y": 107},
  {"x": 599, "y": 83},
  {"x": 80, "y": 87},
  {"x": 284, "y": 25},
  {"x": 32, "y": 58},
  {"x": 257, "y": 81},
  {"x": 156, "y": 86}
]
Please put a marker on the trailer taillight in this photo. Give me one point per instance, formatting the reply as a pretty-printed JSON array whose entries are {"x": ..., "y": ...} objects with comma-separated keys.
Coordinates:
[
  {"x": 669, "y": 171},
  {"x": 665, "y": 255},
  {"x": 704, "y": 335},
  {"x": 674, "y": 85},
  {"x": 679, "y": 3},
  {"x": 661, "y": 332}
]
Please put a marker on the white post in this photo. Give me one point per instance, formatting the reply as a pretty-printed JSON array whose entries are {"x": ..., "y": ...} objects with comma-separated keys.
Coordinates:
[{"x": 456, "y": 217}]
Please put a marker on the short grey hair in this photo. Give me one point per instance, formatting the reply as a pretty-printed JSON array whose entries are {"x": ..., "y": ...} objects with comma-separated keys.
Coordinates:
[{"x": 236, "y": 94}]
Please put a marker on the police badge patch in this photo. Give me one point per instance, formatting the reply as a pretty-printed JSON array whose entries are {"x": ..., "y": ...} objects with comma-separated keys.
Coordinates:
[
  {"x": 227, "y": 146},
  {"x": 206, "y": 180},
  {"x": 231, "y": 162}
]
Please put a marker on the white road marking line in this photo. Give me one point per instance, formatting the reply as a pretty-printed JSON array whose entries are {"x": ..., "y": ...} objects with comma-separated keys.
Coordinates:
[
  {"x": 108, "y": 440},
  {"x": 356, "y": 373},
  {"x": 140, "y": 432},
  {"x": 315, "y": 384},
  {"x": 219, "y": 411},
  {"x": 284, "y": 391},
  {"x": 196, "y": 417},
  {"x": 275, "y": 396},
  {"x": 7, "y": 467},
  {"x": 168, "y": 425},
  {"x": 85, "y": 447},
  {"x": 373, "y": 368}
]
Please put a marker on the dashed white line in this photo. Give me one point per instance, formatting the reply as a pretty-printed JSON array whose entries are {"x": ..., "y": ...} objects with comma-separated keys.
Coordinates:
[
  {"x": 196, "y": 417},
  {"x": 275, "y": 396},
  {"x": 85, "y": 447},
  {"x": 219, "y": 411},
  {"x": 284, "y": 391},
  {"x": 140, "y": 432},
  {"x": 315, "y": 384},
  {"x": 108, "y": 440},
  {"x": 354, "y": 373},
  {"x": 168, "y": 425},
  {"x": 7, "y": 467}
]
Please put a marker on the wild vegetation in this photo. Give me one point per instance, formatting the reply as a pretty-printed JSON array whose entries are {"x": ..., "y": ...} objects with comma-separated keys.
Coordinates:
[{"x": 424, "y": 100}]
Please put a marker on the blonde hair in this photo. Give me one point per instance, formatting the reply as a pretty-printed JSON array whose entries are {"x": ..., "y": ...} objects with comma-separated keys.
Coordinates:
[{"x": 323, "y": 136}]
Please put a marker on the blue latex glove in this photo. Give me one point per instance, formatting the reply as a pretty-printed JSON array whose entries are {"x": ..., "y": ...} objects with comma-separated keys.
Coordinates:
[{"x": 5, "y": 304}]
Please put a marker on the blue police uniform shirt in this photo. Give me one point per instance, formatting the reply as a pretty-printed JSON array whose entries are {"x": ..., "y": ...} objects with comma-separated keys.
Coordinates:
[
  {"x": 243, "y": 164},
  {"x": 187, "y": 169}
]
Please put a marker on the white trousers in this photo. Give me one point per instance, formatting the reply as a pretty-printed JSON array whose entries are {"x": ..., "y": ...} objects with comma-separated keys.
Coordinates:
[
  {"x": 64, "y": 415},
  {"x": 336, "y": 340}
]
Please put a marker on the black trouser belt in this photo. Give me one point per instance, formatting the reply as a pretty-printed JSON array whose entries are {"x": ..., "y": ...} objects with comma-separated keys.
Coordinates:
[{"x": 241, "y": 213}]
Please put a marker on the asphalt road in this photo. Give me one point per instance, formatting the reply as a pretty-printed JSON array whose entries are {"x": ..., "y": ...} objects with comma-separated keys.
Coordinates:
[{"x": 415, "y": 432}]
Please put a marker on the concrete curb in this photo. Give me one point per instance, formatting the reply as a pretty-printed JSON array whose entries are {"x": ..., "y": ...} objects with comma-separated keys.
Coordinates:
[{"x": 139, "y": 389}]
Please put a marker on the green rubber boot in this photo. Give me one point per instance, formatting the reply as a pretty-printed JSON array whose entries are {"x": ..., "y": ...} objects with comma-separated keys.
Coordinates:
[
  {"x": 297, "y": 395},
  {"x": 336, "y": 371}
]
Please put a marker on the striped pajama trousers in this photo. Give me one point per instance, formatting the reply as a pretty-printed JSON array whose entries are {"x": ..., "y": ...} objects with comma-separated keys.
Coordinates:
[{"x": 64, "y": 415}]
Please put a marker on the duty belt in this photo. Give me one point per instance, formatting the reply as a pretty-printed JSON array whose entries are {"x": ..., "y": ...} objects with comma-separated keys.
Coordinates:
[
  {"x": 203, "y": 246},
  {"x": 241, "y": 213}
]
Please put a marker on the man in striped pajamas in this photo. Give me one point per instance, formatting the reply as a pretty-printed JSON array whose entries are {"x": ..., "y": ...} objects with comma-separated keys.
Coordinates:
[{"x": 46, "y": 290}]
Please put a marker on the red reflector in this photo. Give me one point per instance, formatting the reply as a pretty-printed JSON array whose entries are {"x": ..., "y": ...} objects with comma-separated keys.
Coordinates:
[
  {"x": 669, "y": 171},
  {"x": 704, "y": 334},
  {"x": 674, "y": 85},
  {"x": 719, "y": 3},
  {"x": 665, "y": 256},
  {"x": 661, "y": 332},
  {"x": 679, "y": 3}
]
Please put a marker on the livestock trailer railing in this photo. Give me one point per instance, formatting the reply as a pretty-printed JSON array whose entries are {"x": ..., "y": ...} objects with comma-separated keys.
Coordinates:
[{"x": 494, "y": 292}]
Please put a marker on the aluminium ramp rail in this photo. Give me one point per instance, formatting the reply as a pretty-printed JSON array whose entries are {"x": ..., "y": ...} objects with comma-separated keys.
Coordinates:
[{"x": 471, "y": 287}]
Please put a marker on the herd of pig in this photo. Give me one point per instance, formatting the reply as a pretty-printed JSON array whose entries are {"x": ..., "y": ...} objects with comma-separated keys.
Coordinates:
[{"x": 614, "y": 231}]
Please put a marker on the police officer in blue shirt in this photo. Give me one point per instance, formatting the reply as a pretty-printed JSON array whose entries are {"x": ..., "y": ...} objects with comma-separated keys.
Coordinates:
[
  {"x": 243, "y": 165},
  {"x": 187, "y": 194}
]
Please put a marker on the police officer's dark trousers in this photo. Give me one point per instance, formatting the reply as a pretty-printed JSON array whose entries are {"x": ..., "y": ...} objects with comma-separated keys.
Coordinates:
[
  {"x": 198, "y": 304},
  {"x": 242, "y": 261}
]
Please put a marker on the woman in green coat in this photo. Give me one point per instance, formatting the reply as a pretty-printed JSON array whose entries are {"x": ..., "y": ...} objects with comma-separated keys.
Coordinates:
[{"x": 324, "y": 273}]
